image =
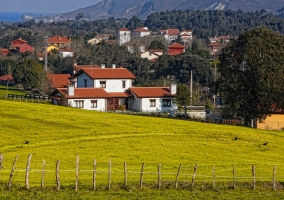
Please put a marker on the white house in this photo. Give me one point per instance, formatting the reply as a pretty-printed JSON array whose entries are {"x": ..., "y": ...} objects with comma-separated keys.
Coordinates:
[
  {"x": 111, "y": 89},
  {"x": 124, "y": 36},
  {"x": 152, "y": 54},
  {"x": 170, "y": 35},
  {"x": 141, "y": 32},
  {"x": 153, "y": 99},
  {"x": 63, "y": 53}
]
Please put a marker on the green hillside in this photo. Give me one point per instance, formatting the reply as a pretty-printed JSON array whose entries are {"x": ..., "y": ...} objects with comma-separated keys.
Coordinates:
[{"x": 54, "y": 133}]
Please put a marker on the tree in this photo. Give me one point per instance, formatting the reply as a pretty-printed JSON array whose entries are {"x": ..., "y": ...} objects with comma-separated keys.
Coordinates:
[
  {"x": 157, "y": 44},
  {"x": 251, "y": 74},
  {"x": 183, "y": 97},
  {"x": 30, "y": 73}
]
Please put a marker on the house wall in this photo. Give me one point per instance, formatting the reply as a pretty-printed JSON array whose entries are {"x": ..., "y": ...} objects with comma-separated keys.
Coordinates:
[
  {"x": 114, "y": 85},
  {"x": 181, "y": 50},
  {"x": 149, "y": 55},
  {"x": 143, "y": 104},
  {"x": 124, "y": 37},
  {"x": 66, "y": 54},
  {"x": 273, "y": 122},
  {"x": 80, "y": 81},
  {"x": 101, "y": 104}
]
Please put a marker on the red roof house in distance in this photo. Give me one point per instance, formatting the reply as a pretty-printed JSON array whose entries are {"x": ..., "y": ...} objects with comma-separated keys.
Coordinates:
[
  {"x": 59, "y": 42},
  {"x": 4, "y": 51},
  {"x": 58, "y": 80},
  {"x": 141, "y": 32},
  {"x": 176, "y": 49},
  {"x": 7, "y": 78},
  {"x": 21, "y": 46},
  {"x": 170, "y": 34}
]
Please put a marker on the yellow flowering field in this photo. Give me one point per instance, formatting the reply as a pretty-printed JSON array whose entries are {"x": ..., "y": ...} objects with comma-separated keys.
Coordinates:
[{"x": 52, "y": 133}]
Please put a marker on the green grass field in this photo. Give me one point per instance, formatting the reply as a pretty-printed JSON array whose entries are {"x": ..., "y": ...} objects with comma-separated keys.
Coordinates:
[{"x": 54, "y": 133}]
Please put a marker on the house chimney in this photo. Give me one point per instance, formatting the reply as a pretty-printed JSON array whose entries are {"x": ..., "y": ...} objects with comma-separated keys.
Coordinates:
[
  {"x": 70, "y": 90},
  {"x": 113, "y": 66},
  {"x": 173, "y": 89},
  {"x": 103, "y": 66}
]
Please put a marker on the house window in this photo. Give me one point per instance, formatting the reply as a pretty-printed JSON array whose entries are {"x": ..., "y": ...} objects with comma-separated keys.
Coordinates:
[
  {"x": 79, "y": 104},
  {"x": 103, "y": 84},
  {"x": 94, "y": 103},
  {"x": 85, "y": 82},
  {"x": 152, "y": 102},
  {"x": 166, "y": 102},
  {"x": 123, "y": 84}
]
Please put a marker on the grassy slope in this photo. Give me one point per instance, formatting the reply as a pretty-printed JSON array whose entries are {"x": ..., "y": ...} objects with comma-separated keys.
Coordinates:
[
  {"x": 62, "y": 133},
  {"x": 11, "y": 90}
]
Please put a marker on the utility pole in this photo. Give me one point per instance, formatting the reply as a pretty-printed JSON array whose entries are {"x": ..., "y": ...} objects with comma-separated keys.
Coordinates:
[
  {"x": 190, "y": 87},
  {"x": 45, "y": 55}
]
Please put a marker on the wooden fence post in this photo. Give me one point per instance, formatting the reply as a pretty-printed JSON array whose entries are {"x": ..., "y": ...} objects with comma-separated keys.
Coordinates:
[
  {"x": 109, "y": 175},
  {"x": 1, "y": 162},
  {"x": 12, "y": 173},
  {"x": 94, "y": 174},
  {"x": 176, "y": 182},
  {"x": 274, "y": 178},
  {"x": 234, "y": 175},
  {"x": 194, "y": 175},
  {"x": 159, "y": 176},
  {"x": 141, "y": 175},
  {"x": 253, "y": 178},
  {"x": 125, "y": 175},
  {"x": 28, "y": 171},
  {"x": 214, "y": 177},
  {"x": 42, "y": 173},
  {"x": 57, "y": 175},
  {"x": 77, "y": 173}
]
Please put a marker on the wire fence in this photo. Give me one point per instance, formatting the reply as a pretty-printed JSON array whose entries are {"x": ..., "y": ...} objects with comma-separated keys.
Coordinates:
[{"x": 25, "y": 173}]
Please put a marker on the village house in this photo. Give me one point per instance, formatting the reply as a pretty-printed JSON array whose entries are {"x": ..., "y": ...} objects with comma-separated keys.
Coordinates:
[
  {"x": 170, "y": 35},
  {"x": 152, "y": 54},
  {"x": 99, "y": 38},
  {"x": 105, "y": 89},
  {"x": 4, "y": 51},
  {"x": 66, "y": 52},
  {"x": 186, "y": 36},
  {"x": 7, "y": 78},
  {"x": 59, "y": 42},
  {"x": 21, "y": 46},
  {"x": 124, "y": 36},
  {"x": 141, "y": 32},
  {"x": 176, "y": 49},
  {"x": 58, "y": 80}
]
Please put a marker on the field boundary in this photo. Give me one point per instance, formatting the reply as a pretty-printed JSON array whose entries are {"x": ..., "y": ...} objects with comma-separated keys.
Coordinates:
[{"x": 194, "y": 179}]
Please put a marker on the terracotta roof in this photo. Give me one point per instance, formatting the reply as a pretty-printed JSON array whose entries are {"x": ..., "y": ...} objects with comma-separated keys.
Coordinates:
[
  {"x": 155, "y": 50},
  {"x": 141, "y": 92},
  {"x": 175, "y": 53},
  {"x": 58, "y": 80},
  {"x": 172, "y": 32},
  {"x": 80, "y": 93},
  {"x": 120, "y": 94},
  {"x": 110, "y": 41},
  {"x": 77, "y": 68},
  {"x": 6, "y": 77},
  {"x": 21, "y": 40},
  {"x": 4, "y": 50},
  {"x": 66, "y": 50},
  {"x": 107, "y": 73},
  {"x": 154, "y": 59},
  {"x": 58, "y": 39},
  {"x": 40, "y": 54},
  {"x": 124, "y": 29},
  {"x": 185, "y": 34},
  {"x": 176, "y": 45}
]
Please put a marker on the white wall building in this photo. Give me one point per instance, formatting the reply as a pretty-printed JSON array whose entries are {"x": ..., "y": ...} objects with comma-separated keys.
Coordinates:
[
  {"x": 124, "y": 36},
  {"x": 111, "y": 89}
]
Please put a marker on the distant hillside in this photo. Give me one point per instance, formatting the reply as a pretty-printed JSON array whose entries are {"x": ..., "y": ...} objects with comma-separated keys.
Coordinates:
[{"x": 142, "y": 8}]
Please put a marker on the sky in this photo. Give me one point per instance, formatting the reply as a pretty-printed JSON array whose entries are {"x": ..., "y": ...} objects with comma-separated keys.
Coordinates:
[{"x": 44, "y": 6}]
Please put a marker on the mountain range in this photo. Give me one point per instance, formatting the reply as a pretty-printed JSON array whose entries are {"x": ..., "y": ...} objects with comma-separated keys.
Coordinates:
[{"x": 142, "y": 8}]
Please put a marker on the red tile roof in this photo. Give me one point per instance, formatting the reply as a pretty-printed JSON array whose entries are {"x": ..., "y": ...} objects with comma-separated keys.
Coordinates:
[
  {"x": 141, "y": 29},
  {"x": 120, "y": 94},
  {"x": 155, "y": 50},
  {"x": 58, "y": 39},
  {"x": 176, "y": 46},
  {"x": 6, "y": 77},
  {"x": 107, "y": 73},
  {"x": 175, "y": 53},
  {"x": 141, "y": 92},
  {"x": 81, "y": 93},
  {"x": 172, "y": 32},
  {"x": 66, "y": 50},
  {"x": 124, "y": 29},
  {"x": 58, "y": 80},
  {"x": 77, "y": 68}
]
